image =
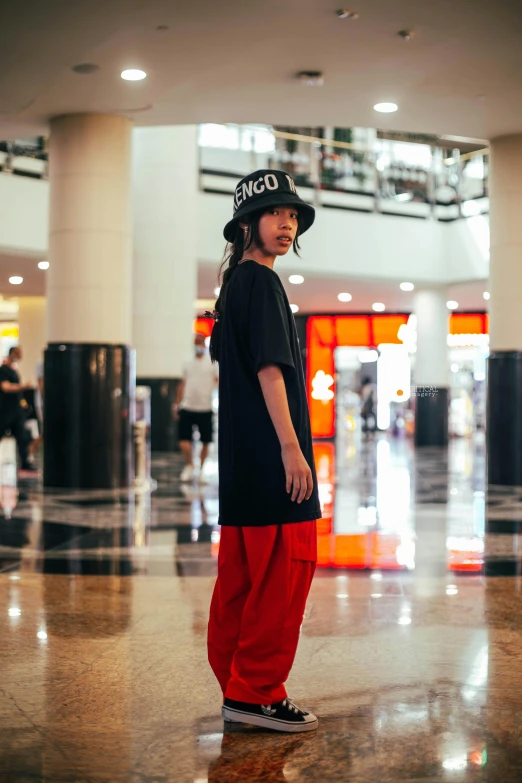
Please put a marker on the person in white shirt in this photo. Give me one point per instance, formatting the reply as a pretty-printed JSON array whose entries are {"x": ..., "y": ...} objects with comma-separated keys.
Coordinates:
[{"x": 193, "y": 406}]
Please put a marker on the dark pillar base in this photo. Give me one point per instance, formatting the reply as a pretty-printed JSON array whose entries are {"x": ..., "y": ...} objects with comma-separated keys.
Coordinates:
[
  {"x": 88, "y": 390},
  {"x": 163, "y": 425},
  {"x": 504, "y": 418},
  {"x": 431, "y": 417}
]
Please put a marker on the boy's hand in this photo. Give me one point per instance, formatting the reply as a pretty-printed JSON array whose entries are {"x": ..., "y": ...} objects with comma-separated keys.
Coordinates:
[{"x": 298, "y": 474}]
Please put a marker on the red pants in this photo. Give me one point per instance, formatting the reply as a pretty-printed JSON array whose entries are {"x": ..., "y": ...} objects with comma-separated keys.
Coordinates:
[{"x": 264, "y": 576}]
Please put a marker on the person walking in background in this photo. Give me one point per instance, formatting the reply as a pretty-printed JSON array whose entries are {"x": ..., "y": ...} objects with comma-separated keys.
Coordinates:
[
  {"x": 368, "y": 413},
  {"x": 12, "y": 414},
  {"x": 193, "y": 407},
  {"x": 268, "y": 493}
]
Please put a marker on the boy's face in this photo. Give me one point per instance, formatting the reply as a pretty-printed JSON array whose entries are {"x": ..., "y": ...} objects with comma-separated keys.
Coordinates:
[{"x": 277, "y": 229}]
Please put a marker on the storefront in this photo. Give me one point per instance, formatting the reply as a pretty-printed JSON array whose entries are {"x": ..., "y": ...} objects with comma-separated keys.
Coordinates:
[{"x": 468, "y": 345}]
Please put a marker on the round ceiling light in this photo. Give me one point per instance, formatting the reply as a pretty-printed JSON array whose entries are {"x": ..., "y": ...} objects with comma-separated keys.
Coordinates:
[
  {"x": 133, "y": 75},
  {"x": 407, "y": 286},
  {"x": 296, "y": 279},
  {"x": 486, "y": 295},
  {"x": 16, "y": 280},
  {"x": 379, "y": 307},
  {"x": 43, "y": 265},
  {"x": 294, "y": 308},
  {"x": 452, "y": 304},
  {"x": 386, "y": 108},
  {"x": 345, "y": 297}
]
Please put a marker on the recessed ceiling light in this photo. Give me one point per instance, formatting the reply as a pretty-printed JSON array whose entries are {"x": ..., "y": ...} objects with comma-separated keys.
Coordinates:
[
  {"x": 345, "y": 297},
  {"x": 294, "y": 308},
  {"x": 407, "y": 286},
  {"x": 452, "y": 304},
  {"x": 296, "y": 279},
  {"x": 378, "y": 307},
  {"x": 311, "y": 78},
  {"x": 85, "y": 69},
  {"x": 486, "y": 295},
  {"x": 133, "y": 75},
  {"x": 217, "y": 290},
  {"x": 16, "y": 280},
  {"x": 43, "y": 265},
  {"x": 386, "y": 108}
]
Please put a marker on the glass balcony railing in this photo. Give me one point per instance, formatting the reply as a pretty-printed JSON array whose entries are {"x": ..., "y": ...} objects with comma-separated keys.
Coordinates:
[
  {"x": 340, "y": 168},
  {"x": 353, "y": 168}
]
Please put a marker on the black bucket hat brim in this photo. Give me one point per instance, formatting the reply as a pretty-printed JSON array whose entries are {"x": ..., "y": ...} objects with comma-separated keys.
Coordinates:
[{"x": 306, "y": 212}]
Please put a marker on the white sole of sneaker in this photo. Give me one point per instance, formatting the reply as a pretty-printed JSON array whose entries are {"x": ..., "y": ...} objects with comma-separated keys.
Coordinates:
[{"x": 236, "y": 716}]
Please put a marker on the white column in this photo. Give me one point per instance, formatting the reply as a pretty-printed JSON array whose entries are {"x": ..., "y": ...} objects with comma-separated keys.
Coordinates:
[
  {"x": 504, "y": 427},
  {"x": 89, "y": 279},
  {"x": 505, "y": 218},
  {"x": 431, "y": 358},
  {"x": 166, "y": 224},
  {"x": 31, "y": 324}
]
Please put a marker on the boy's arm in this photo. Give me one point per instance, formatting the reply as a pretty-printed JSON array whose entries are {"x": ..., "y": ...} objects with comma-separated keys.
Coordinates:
[{"x": 298, "y": 474}]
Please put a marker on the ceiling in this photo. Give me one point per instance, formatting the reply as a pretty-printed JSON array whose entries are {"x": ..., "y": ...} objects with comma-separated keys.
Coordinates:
[
  {"x": 235, "y": 61},
  {"x": 319, "y": 294}
]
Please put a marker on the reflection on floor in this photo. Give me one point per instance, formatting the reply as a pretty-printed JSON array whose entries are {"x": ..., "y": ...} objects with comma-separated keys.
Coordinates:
[{"x": 410, "y": 648}]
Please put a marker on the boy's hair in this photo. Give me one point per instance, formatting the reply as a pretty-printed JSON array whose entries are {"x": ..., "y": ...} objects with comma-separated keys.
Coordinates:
[{"x": 234, "y": 252}]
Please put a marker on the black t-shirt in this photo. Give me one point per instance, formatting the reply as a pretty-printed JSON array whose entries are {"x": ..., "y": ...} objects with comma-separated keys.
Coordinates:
[
  {"x": 9, "y": 401},
  {"x": 258, "y": 329}
]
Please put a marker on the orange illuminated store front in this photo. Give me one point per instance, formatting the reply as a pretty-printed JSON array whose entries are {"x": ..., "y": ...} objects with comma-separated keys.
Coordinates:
[{"x": 326, "y": 333}]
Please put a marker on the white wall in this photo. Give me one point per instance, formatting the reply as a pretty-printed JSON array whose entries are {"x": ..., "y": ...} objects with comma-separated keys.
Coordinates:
[
  {"x": 341, "y": 242},
  {"x": 24, "y": 215},
  {"x": 466, "y": 249}
]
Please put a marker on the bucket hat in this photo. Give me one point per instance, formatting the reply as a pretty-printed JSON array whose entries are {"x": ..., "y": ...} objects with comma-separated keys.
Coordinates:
[{"x": 263, "y": 189}]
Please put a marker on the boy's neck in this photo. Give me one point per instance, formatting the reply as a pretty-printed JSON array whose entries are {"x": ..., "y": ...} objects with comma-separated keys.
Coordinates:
[{"x": 255, "y": 254}]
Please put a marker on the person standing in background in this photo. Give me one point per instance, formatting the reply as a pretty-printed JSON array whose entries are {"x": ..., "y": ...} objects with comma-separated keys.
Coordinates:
[
  {"x": 368, "y": 412},
  {"x": 12, "y": 415},
  {"x": 193, "y": 407}
]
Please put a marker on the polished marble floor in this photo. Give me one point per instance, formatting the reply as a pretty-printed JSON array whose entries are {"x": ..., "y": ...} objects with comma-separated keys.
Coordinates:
[{"x": 410, "y": 646}]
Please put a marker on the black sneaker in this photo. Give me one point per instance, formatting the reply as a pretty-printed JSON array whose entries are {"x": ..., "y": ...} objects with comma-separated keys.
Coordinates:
[{"x": 283, "y": 716}]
